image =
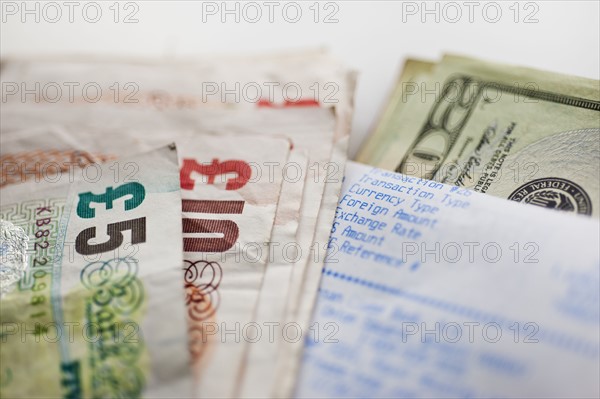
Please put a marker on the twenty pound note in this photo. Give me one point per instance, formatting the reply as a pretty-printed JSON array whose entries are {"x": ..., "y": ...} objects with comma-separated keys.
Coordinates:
[
  {"x": 432, "y": 290},
  {"x": 97, "y": 305}
]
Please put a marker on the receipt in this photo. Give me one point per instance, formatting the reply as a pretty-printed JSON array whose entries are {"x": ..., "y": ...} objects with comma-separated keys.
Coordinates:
[{"x": 431, "y": 290}]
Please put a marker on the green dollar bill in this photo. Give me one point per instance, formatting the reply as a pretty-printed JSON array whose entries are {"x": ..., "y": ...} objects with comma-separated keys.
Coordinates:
[
  {"x": 99, "y": 309},
  {"x": 516, "y": 133}
]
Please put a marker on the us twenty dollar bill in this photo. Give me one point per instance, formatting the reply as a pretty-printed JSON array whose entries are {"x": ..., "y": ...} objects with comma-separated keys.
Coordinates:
[
  {"x": 97, "y": 310},
  {"x": 516, "y": 133}
]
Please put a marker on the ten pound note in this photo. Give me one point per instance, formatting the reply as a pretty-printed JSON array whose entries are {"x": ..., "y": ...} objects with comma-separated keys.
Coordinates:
[
  {"x": 99, "y": 307},
  {"x": 433, "y": 290},
  {"x": 230, "y": 187}
]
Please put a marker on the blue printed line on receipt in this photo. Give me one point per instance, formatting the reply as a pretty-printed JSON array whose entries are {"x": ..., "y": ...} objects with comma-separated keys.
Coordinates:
[{"x": 556, "y": 338}]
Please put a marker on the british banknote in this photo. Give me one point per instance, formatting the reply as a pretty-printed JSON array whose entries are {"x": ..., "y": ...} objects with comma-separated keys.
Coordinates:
[
  {"x": 93, "y": 314},
  {"x": 318, "y": 131},
  {"x": 231, "y": 187}
]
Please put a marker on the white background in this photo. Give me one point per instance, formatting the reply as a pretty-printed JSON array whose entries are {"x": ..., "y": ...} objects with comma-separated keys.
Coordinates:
[{"x": 373, "y": 37}]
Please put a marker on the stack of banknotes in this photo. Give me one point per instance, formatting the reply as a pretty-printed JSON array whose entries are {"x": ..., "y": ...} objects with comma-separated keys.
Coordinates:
[
  {"x": 226, "y": 199},
  {"x": 249, "y": 261}
]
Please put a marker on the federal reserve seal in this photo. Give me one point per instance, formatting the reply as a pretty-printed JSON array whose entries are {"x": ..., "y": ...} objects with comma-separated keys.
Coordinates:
[{"x": 554, "y": 193}]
